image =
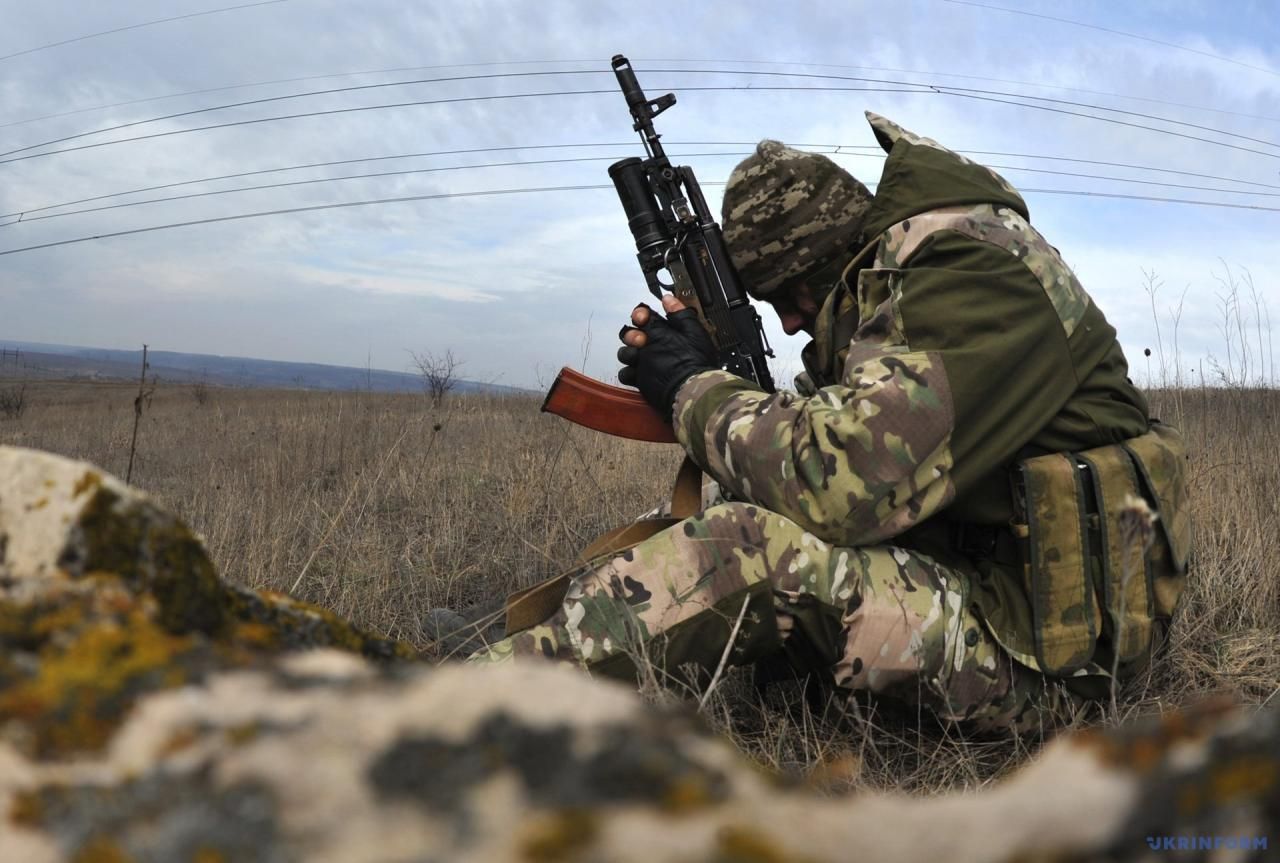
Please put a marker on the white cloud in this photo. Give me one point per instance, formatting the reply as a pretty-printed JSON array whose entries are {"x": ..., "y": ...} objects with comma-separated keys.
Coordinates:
[{"x": 514, "y": 280}]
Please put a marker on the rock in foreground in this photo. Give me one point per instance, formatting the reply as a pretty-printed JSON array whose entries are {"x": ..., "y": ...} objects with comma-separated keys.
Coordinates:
[{"x": 151, "y": 712}]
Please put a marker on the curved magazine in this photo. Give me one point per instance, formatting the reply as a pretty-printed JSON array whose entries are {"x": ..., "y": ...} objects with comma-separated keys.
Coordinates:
[{"x": 613, "y": 410}]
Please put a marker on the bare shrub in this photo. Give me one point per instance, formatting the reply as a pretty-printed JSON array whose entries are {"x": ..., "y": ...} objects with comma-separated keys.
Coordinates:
[
  {"x": 13, "y": 401},
  {"x": 439, "y": 374}
]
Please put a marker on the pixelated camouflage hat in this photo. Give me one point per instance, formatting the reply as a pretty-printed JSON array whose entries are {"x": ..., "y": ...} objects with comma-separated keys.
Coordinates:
[{"x": 788, "y": 214}]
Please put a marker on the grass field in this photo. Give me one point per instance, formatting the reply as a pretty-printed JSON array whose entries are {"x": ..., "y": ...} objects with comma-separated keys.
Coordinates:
[{"x": 380, "y": 508}]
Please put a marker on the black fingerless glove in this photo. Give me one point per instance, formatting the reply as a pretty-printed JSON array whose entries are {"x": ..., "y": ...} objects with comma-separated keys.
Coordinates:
[{"x": 677, "y": 348}]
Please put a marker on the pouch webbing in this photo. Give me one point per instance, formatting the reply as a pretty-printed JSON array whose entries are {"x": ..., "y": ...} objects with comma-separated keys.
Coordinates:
[
  {"x": 1161, "y": 457},
  {"x": 1126, "y": 585},
  {"x": 1059, "y": 588}
]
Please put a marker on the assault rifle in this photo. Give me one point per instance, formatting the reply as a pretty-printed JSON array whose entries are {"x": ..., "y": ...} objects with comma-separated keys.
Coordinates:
[{"x": 675, "y": 235}]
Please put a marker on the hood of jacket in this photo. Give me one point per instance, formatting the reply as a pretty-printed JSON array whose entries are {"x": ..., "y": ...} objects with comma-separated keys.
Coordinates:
[{"x": 921, "y": 175}]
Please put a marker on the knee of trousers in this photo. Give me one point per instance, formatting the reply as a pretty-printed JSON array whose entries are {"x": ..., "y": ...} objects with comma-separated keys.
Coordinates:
[
  {"x": 676, "y": 597},
  {"x": 910, "y": 634}
]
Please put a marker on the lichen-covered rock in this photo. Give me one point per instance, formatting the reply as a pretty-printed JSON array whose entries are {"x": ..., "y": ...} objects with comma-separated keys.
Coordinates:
[
  {"x": 323, "y": 757},
  {"x": 148, "y": 712},
  {"x": 105, "y": 597}
]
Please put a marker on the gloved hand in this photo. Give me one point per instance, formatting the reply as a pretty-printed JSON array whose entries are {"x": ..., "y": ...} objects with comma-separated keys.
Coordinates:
[{"x": 658, "y": 355}]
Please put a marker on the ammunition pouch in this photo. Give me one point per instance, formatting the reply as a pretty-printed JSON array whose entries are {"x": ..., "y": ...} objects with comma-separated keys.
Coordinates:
[{"x": 1094, "y": 565}]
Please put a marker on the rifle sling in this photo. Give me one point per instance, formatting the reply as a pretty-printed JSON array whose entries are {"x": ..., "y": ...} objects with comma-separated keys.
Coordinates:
[{"x": 533, "y": 605}]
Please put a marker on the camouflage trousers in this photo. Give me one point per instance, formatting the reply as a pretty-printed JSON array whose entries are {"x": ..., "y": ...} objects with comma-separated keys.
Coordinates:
[{"x": 886, "y": 621}]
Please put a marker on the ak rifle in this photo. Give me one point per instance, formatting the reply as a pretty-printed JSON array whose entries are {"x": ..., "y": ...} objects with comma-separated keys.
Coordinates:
[{"x": 676, "y": 237}]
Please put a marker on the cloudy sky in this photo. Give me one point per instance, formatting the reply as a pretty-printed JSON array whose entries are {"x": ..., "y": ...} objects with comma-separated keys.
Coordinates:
[{"x": 1173, "y": 94}]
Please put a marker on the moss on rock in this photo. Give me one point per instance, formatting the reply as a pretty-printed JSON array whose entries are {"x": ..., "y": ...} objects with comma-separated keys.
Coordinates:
[
  {"x": 276, "y": 621},
  {"x": 153, "y": 552},
  {"x": 112, "y": 598},
  {"x": 80, "y": 657}
]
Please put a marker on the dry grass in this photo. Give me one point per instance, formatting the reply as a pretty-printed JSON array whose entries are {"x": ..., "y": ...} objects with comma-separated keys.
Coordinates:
[
  {"x": 381, "y": 508},
  {"x": 375, "y": 506}
]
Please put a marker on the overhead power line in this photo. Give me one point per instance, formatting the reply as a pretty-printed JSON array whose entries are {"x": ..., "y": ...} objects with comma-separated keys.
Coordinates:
[
  {"x": 971, "y": 92},
  {"x": 832, "y": 149},
  {"x": 139, "y": 26},
  {"x": 543, "y": 189},
  {"x": 1131, "y": 125},
  {"x": 413, "y": 103},
  {"x": 1015, "y": 82},
  {"x": 308, "y": 209},
  {"x": 339, "y": 162},
  {"x": 991, "y": 96},
  {"x": 295, "y": 80},
  {"x": 309, "y": 94},
  {"x": 26, "y": 216},
  {"x": 330, "y": 112},
  {"x": 896, "y": 70},
  {"x": 1123, "y": 33}
]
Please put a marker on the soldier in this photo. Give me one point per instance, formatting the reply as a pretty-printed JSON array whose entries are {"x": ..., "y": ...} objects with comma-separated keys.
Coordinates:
[{"x": 964, "y": 506}]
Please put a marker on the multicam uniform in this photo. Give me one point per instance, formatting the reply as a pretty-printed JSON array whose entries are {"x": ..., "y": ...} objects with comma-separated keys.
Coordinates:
[{"x": 936, "y": 516}]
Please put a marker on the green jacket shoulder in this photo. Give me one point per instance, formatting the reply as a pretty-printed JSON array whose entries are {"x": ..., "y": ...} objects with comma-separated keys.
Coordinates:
[{"x": 963, "y": 342}]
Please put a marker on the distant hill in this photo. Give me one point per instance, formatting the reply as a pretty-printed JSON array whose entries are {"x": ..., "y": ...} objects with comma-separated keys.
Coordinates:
[{"x": 69, "y": 361}]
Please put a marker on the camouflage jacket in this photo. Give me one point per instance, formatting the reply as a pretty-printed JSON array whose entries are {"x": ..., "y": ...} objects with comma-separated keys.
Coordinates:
[{"x": 958, "y": 343}]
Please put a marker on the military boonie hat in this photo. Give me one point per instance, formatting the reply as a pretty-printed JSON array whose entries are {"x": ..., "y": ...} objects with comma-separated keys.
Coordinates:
[{"x": 788, "y": 214}]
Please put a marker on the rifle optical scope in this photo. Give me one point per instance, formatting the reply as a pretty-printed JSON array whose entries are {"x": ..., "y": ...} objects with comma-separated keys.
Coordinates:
[{"x": 643, "y": 216}]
